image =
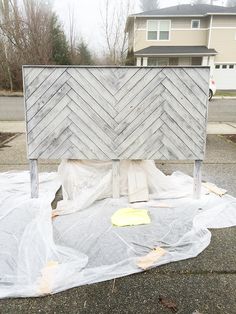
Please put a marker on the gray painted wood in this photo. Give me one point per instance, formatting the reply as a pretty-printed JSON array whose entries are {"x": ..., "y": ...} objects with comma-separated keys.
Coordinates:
[
  {"x": 115, "y": 178},
  {"x": 112, "y": 112},
  {"x": 115, "y": 113},
  {"x": 197, "y": 178},
  {"x": 34, "y": 178}
]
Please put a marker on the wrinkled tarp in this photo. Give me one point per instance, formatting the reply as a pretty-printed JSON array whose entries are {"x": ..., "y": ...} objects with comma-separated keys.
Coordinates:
[{"x": 41, "y": 255}]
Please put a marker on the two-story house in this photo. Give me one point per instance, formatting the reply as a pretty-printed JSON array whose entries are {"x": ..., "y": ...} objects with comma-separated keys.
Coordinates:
[{"x": 187, "y": 35}]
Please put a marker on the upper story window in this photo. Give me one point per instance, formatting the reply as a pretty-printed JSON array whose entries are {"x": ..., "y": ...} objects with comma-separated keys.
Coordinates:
[
  {"x": 195, "y": 24},
  {"x": 158, "y": 29}
]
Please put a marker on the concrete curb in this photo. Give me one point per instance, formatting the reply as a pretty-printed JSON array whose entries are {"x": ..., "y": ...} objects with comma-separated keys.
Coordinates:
[{"x": 224, "y": 97}]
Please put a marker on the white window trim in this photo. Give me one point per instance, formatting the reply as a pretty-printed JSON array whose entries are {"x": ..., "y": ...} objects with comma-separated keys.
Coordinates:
[
  {"x": 199, "y": 25},
  {"x": 158, "y": 32}
]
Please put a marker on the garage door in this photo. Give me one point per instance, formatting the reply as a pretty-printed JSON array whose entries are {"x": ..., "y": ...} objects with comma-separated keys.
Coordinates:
[{"x": 225, "y": 76}]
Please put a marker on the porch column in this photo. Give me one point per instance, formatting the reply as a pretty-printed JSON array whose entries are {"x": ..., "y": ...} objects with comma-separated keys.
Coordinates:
[
  {"x": 145, "y": 61},
  {"x": 138, "y": 61},
  {"x": 205, "y": 60},
  {"x": 211, "y": 64}
]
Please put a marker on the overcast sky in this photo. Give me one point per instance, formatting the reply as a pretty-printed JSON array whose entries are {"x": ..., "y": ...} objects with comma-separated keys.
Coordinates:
[{"x": 87, "y": 14}]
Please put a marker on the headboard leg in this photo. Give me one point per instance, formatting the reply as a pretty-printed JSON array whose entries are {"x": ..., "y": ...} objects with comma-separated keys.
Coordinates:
[
  {"x": 197, "y": 179},
  {"x": 34, "y": 178},
  {"x": 115, "y": 178}
]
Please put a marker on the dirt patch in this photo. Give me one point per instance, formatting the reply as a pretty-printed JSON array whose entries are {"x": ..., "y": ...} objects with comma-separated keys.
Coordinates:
[
  {"x": 230, "y": 137},
  {"x": 6, "y": 137},
  {"x": 6, "y": 93}
]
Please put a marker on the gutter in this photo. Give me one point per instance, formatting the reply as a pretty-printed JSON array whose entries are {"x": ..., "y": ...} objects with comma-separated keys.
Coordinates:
[
  {"x": 175, "y": 54},
  {"x": 186, "y": 15}
]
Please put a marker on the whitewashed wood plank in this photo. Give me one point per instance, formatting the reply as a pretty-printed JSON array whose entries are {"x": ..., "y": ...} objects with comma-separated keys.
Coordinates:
[
  {"x": 137, "y": 93},
  {"x": 92, "y": 103},
  {"x": 31, "y": 88},
  {"x": 61, "y": 141},
  {"x": 79, "y": 105},
  {"x": 116, "y": 178},
  {"x": 134, "y": 109},
  {"x": 132, "y": 131},
  {"x": 184, "y": 111},
  {"x": 136, "y": 79},
  {"x": 139, "y": 132},
  {"x": 75, "y": 126},
  {"x": 137, "y": 183},
  {"x": 48, "y": 117},
  {"x": 137, "y": 120},
  {"x": 192, "y": 146},
  {"x": 51, "y": 132},
  {"x": 198, "y": 79},
  {"x": 180, "y": 97},
  {"x": 197, "y": 177},
  {"x": 34, "y": 178},
  {"x": 204, "y": 75},
  {"x": 181, "y": 148},
  {"x": 45, "y": 85},
  {"x": 187, "y": 91},
  {"x": 155, "y": 140},
  {"x": 185, "y": 122},
  {"x": 138, "y": 143},
  {"x": 91, "y": 89},
  {"x": 81, "y": 147},
  {"x": 31, "y": 74},
  {"x": 50, "y": 97},
  {"x": 92, "y": 134},
  {"x": 190, "y": 84}
]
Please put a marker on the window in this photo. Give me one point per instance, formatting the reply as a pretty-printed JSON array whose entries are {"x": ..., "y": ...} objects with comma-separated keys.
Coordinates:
[
  {"x": 231, "y": 66},
  {"x": 161, "y": 61},
  {"x": 224, "y": 66},
  {"x": 195, "y": 23},
  {"x": 152, "y": 61},
  {"x": 196, "y": 61},
  {"x": 173, "y": 61},
  {"x": 164, "y": 30},
  {"x": 217, "y": 66},
  {"x": 152, "y": 30},
  {"x": 158, "y": 30}
]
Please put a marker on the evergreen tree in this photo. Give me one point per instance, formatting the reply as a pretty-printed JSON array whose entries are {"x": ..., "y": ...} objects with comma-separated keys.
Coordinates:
[
  {"x": 200, "y": 2},
  {"x": 60, "y": 49},
  {"x": 84, "y": 55},
  {"x": 130, "y": 59},
  {"x": 149, "y": 5},
  {"x": 231, "y": 3}
]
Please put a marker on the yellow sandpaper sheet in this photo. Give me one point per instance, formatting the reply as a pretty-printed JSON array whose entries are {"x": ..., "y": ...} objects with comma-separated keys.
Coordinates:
[{"x": 130, "y": 217}]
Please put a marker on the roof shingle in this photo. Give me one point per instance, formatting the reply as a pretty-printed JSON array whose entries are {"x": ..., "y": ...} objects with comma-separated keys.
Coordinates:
[
  {"x": 188, "y": 9},
  {"x": 176, "y": 50}
]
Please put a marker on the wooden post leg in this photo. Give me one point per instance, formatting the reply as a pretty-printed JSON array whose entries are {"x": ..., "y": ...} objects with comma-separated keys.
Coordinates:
[
  {"x": 34, "y": 178},
  {"x": 115, "y": 178},
  {"x": 197, "y": 179}
]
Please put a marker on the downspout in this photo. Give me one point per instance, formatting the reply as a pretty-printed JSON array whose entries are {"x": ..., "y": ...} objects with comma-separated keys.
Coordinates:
[
  {"x": 210, "y": 61},
  {"x": 134, "y": 35},
  {"x": 209, "y": 35}
]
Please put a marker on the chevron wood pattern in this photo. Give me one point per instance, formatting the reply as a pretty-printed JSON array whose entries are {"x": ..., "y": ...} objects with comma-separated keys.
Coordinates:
[{"x": 109, "y": 113}]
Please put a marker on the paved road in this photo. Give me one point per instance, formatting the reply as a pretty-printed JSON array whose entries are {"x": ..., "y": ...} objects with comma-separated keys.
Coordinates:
[
  {"x": 220, "y": 110},
  {"x": 11, "y": 109}
]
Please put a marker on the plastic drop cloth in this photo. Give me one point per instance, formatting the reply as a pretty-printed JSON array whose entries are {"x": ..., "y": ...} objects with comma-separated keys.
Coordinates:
[{"x": 40, "y": 255}]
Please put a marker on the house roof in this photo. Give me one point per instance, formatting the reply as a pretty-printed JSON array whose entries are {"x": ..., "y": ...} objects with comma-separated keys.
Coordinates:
[
  {"x": 175, "y": 50},
  {"x": 189, "y": 10}
]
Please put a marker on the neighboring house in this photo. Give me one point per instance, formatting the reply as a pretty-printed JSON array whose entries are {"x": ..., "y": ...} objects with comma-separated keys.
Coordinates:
[{"x": 187, "y": 35}]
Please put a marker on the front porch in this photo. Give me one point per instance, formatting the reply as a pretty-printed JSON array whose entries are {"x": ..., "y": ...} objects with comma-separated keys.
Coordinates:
[{"x": 175, "y": 56}]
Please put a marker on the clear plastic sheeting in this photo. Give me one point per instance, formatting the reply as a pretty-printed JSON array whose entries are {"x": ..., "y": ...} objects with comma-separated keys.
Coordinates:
[{"x": 41, "y": 255}]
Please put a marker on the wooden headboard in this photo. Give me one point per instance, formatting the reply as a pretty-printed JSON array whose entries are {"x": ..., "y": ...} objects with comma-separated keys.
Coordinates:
[{"x": 114, "y": 113}]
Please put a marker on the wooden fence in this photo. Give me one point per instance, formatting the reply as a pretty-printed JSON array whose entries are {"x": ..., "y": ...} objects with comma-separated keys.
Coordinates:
[{"x": 114, "y": 113}]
